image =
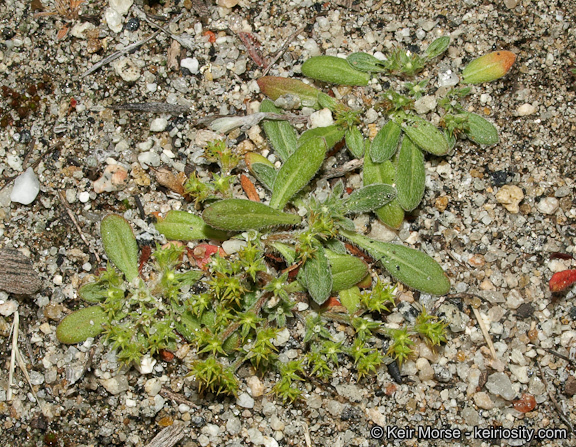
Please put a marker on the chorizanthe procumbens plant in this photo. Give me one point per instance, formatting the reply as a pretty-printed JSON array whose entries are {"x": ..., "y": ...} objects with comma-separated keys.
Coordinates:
[
  {"x": 403, "y": 122},
  {"x": 300, "y": 243}
]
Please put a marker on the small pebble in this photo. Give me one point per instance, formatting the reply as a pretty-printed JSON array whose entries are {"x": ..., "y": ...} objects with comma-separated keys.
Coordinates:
[
  {"x": 126, "y": 69},
  {"x": 321, "y": 118},
  {"x": 548, "y": 205},
  {"x": 482, "y": 400},
  {"x": 245, "y": 401},
  {"x": 158, "y": 125},
  {"x": 115, "y": 385},
  {"x": 510, "y": 197},
  {"x": 525, "y": 110},
  {"x": 132, "y": 25},
  {"x": 84, "y": 196},
  {"x": 191, "y": 64},
  {"x": 256, "y": 386},
  {"x": 26, "y": 188}
]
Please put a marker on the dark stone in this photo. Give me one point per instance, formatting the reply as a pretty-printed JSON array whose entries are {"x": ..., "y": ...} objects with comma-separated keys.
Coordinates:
[
  {"x": 570, "y": 386},
  {"x": 133, "y": 24}
]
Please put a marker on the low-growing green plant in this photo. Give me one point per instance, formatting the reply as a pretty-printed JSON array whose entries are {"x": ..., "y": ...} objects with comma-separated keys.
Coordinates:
[
  {"x": 396, "y": 153},
  {"x": 295, "y": 248}
]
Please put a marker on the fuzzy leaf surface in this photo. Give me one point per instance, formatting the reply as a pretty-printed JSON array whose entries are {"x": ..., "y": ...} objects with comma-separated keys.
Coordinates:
[
  {"x": 184, "y": 226},
  {"x": 385, "y": 142},
  {"x": 437, "y": 47},
  {"x": 354, "y": 141},
  {"x": 332, "y": 134},
  {"x": 366, "y": 62},
  {"x": 275, "y": 86},
  {"x": 262, "y": 169},
  {"x": 318, "y": 276},
  {"x": 81, "y": 325},
  {"x": 240, "y": 215},
  {"x": 335, "y": 70},
  {"x": 350, "y": 299},
  {"x": 489, "y": 67},
  {"x": 297, "y": 171},
  {"x": 410, "y": 175},
  {"x": 426, "y": 136},
  {"x": 391, "y": 214},
  {"x": 281, "y": 134},
  {"x": 409, "y": 266},
  {"x": 481, "y": 130},
  {"x": 369, "y": 198},
  {"x": 94, "y": 292},
  {"x": 120, "y": 244},
  {"x": 347, "y": 270}
]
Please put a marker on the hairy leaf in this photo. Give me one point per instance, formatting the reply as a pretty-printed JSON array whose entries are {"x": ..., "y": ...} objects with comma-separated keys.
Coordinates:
[
  {"x": 335, "y": 70},
  {"x": 275, "y": 86},
  {"x": 366, "y": 62},
  {"x": 409, "y": 266},
  {"x": 240, "y": 215},
  {"x": 480, "y": 130},
  {"x": 489, "y": 67},
  {"x": 318, "y": 276},
  {"x": 297, "y": 171},
  {"x": 426, "y": 136},
  {"x": 370, "y": 198},
  {"x": 120, "y": 244},
  {"x": 94, "y": 292},
  {"x": 385, "y": 142},
  {"x": 347, "y": 270},
  {"x": 332, "y": 134},
  {"x": 262, "y": 169},
  {"x": 437, "y": 47},
  {"x": 184, "y": 226},
  {"x": 410, "y": 176},
  {"x": 355, "y": 141},
  {"x": 81, "y": 325},
  {"x": 350, "y": 299},
  {"x": 281, "y": 134},
  {"x": 391, "y": 214}
]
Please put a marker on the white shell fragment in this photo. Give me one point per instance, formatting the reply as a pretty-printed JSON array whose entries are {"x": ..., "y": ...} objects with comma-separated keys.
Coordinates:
[{"x": 26, "y": 188}]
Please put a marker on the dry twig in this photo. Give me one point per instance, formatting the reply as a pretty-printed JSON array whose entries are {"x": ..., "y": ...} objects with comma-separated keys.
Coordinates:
[
  {"x": 282, "y": 49},
  {"x": 169, "y": 436},
  {"x": 62, "y": 198},
  {"x": 563, "y": 417}
]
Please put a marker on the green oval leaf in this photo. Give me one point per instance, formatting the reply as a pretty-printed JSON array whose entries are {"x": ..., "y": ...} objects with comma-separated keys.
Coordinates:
[
  {"x": 366, "y": 62},
  {"x": 318, "y": 276},
  {"x": 347, "y": 270},
  {"x": 426, "y": 136},
  {"x": 437, "y": 47},
  {"x": 281, "y": 134},
  {"x": 369, "y": 198},
  {"x": 262, "y": 169},
  {"x": 409, "y": 266},
  {"x": 120, "y": 244},
  {"x": 297, "y": 171},
  {"x": 489, "y": 67},
  {"x": 391, "y": 214},
  {"x": 332, "y": 134},
  {"x": 184, "y": 226},
  {"x": 275, "y": 86},
  {"x": 480, "y": 130},
  {"x": 410, "y": 175},
  {"x": 81, "y": 325},
  {"x": 385, "y": 142},
  {"x": 350, "y": 299},
  {"x": 355, "y": 142},
  {"x": 335, "y": 70},
  {"x": 240, "y": 215}
]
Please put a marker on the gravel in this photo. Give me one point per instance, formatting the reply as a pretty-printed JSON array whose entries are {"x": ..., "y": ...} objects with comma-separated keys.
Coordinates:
[{"x": 494, "y": 217}]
